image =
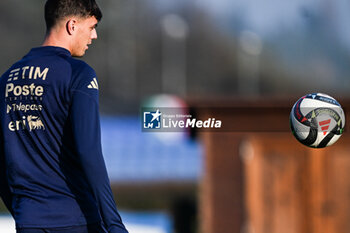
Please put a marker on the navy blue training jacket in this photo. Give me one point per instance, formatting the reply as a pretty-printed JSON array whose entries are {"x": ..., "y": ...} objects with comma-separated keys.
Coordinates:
[{"x": 52, "y": 172}]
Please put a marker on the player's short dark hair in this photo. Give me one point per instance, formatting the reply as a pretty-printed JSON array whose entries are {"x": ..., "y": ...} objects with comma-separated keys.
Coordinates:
[{"x": 56, "y": 10}]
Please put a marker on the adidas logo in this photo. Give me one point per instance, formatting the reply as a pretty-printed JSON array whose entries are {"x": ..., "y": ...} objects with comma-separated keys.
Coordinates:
[
  {"x": 93, "y": 84},
  {"x": 325, "y": 125}
]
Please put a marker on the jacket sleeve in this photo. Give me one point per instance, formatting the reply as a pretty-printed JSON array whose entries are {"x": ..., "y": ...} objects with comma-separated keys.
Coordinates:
[
  {"x": 5, "y": 192},
  {"x": 84, "y": 115}
]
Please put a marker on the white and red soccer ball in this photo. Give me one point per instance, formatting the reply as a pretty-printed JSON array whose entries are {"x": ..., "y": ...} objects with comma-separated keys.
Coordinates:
[{"x": 317, "y": 120}]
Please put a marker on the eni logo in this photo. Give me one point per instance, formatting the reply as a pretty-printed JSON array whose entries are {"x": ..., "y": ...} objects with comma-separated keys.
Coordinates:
[
  {"x": 31, "y": 122},
  {"x": 34, "y": 122}
]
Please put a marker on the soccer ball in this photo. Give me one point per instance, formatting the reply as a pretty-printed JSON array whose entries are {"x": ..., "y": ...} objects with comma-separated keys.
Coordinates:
[{"x": 317, "y": 120}]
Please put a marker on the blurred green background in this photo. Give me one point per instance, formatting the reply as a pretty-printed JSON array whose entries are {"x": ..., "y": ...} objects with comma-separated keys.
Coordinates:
[{"x": 201, "y": 48}]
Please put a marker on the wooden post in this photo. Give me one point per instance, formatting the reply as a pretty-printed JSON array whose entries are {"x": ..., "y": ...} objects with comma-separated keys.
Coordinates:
[
  {"x": 267, "y": 182},
  {"x": 221, "y": 193}
]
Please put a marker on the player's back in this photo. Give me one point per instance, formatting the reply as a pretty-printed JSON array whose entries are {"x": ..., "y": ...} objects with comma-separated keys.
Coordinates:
[{"x": 44, "y": 172}]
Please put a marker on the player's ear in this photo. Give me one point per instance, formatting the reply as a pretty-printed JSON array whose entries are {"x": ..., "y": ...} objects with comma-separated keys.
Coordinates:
[{"x": 71, "y": 26}]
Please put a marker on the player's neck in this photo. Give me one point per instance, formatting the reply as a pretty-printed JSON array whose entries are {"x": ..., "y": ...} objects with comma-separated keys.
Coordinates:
[{"x": 54, "y": 39}]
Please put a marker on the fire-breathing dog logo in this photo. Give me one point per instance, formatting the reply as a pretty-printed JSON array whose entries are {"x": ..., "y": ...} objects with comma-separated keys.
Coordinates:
[
  {"x": 152, "y": 120},
  {"x": 27, "y": 122},
  {"x": 34, "y": 122}
]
